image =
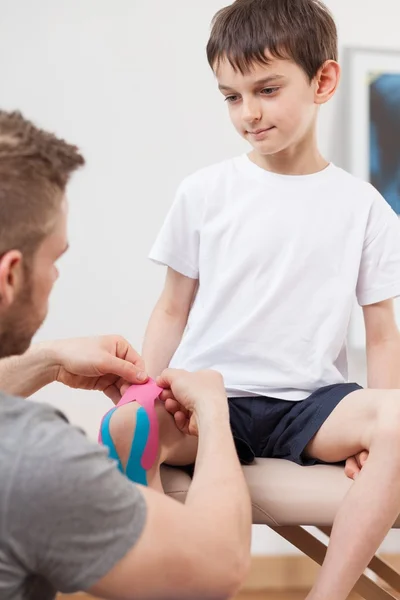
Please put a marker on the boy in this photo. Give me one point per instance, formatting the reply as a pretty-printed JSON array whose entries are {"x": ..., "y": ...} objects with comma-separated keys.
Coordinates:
[{"x": 265, "y": 254}]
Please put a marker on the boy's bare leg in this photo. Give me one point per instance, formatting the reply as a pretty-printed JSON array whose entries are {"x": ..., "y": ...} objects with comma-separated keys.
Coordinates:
[
  {"x": 366, "y": 419},
  {"x": 175, "y": 447}
]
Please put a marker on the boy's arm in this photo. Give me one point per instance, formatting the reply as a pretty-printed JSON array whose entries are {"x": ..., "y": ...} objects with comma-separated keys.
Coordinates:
[
  {"x": 383, "y": 360},
  {"x": 168, "y": 321},
  {"x": 383, "y": 345}
]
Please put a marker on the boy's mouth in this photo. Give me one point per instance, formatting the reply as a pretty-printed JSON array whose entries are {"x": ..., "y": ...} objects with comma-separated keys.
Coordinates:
[{"x": 260, "y": 132}]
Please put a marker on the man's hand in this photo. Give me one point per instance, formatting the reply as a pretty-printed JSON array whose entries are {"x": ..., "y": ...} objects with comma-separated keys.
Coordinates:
[
  {"x": 185, "y": 394},
  {"x": 108, "y": 364},
  {"x": 354, "y": 464}
]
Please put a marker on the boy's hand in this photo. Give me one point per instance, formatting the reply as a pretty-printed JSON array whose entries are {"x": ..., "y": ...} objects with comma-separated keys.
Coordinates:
[{"x": 354, "y": 464}]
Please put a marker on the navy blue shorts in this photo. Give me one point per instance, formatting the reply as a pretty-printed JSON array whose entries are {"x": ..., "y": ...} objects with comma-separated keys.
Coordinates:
[{"x": 273, "y": 428}]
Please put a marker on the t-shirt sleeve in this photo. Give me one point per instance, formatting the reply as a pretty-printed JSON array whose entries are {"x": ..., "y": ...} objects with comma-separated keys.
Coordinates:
[
  {"x": 177, "y": 245},
  {"x": 72, "y": 516},
  {"x": 379, "y": 275}
]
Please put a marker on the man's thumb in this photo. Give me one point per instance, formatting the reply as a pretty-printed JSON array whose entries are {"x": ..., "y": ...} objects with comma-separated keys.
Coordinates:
[{"x": 126, "y": 370}]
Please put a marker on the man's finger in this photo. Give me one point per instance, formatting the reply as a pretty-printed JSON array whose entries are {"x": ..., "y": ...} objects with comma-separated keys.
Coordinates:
[
  {"x": 113, "y": 393},
  {"x": 125, "y": 351},
  {"x": 124, "y": 387},
  {"x": 181, "y": 421},
  {"x": 165, "y": 395},
  {"x": 124, "y": 369},
  {"x": 172, "y": 406},
  {"x": 165, "y": 379}
]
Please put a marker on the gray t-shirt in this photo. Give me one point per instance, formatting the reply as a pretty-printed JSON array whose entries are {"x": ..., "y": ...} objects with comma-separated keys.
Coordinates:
[{"x": 67, "y": 515}]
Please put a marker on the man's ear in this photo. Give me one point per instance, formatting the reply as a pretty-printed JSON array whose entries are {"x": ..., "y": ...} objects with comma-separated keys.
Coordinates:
[
  {"x": 326, "y": 81},
  {"x": 11, "y": 277}
]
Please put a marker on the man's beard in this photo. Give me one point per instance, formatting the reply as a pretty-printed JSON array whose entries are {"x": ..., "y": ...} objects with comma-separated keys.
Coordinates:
[{"x": 19, "y": 324}]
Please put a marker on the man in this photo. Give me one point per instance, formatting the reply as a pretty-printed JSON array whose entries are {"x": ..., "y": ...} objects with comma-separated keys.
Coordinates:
[{"x": 69, "y": 520}]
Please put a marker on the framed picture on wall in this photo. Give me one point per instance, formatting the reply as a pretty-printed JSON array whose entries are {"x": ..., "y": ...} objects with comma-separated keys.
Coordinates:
[{"x": 373, "y": 78}]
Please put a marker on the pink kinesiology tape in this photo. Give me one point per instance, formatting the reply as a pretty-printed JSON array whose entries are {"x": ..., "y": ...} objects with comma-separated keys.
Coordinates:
[{"x": 145, "y": 395}]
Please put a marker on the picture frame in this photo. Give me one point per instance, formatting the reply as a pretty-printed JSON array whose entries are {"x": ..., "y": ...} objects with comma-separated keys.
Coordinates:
[{"x": 373, "y": 84}]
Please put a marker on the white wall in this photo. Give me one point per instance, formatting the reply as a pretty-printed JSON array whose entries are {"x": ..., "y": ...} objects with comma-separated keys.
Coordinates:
[{"x": 127, "y": 80}]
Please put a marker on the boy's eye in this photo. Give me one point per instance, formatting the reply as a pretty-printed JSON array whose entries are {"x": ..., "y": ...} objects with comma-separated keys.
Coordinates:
[
  {"x": 231, "y": 98},
  {"x": 269, "y": 91}
]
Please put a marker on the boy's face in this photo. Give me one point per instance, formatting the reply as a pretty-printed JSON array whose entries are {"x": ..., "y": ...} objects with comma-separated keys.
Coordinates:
[{"x": 273, "y": 106}]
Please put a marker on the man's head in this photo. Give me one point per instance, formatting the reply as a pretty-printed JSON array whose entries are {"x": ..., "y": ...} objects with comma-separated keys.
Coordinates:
[
  {"x": 276, "y": 62},
  {"x": 35, "y": 167}
]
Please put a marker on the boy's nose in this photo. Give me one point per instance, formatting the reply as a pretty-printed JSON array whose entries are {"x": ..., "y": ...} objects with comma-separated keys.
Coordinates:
[{"x": 251, "y": 112}]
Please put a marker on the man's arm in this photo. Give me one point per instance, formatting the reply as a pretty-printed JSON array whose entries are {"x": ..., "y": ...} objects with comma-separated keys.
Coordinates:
[
  {"x": 168, "y": 321},
  {"x": 104, "y": 363},
  {"x": 200, "y": 549},
  {"x": 26, "y": 374},
  {"x": 87, "y": 527},
  {"x": 383, "y": 345}
]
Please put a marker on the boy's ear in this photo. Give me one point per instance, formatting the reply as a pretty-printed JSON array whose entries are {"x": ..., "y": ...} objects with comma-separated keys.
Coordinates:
[
  {"x": 11, "y": 277},
  {"x": 326, "y": 81}
]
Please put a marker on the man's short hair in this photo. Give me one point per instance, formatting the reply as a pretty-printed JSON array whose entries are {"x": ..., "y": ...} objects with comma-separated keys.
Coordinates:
[{"x": 35, "y": 167}]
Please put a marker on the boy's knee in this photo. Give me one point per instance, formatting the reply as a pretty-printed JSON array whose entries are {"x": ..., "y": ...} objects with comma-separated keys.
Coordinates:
[
  {"x": 130, "y": 436},
  {"x": 122, "y": 429}
]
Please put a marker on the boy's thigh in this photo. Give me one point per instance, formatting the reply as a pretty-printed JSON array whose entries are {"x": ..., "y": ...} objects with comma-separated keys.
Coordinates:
[
  {"x": 351, "y": 426},
  {"x": 182, "y": 453}
]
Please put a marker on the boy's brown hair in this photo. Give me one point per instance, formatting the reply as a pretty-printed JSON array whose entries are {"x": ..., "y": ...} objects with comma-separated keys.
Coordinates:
[
  {"x": 301, "y": 30},
  {"x": 35, "y": 167}
]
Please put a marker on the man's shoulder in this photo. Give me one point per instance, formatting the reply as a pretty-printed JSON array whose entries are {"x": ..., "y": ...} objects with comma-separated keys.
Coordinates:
[
  {"x": 21, "y": 417},
  {"x": 44, "y": 456},
  {"x": 39, "y": 438},
  {"x": 67, "y": 509},
  {"x": 36, "y": 441}
]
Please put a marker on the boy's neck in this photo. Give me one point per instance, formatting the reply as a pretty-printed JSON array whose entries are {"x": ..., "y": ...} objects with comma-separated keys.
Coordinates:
[{"x": 303, "y": 158}]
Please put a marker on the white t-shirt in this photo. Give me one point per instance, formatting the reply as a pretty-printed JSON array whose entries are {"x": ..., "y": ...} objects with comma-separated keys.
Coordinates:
[{"x": 279, "y": 260}]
